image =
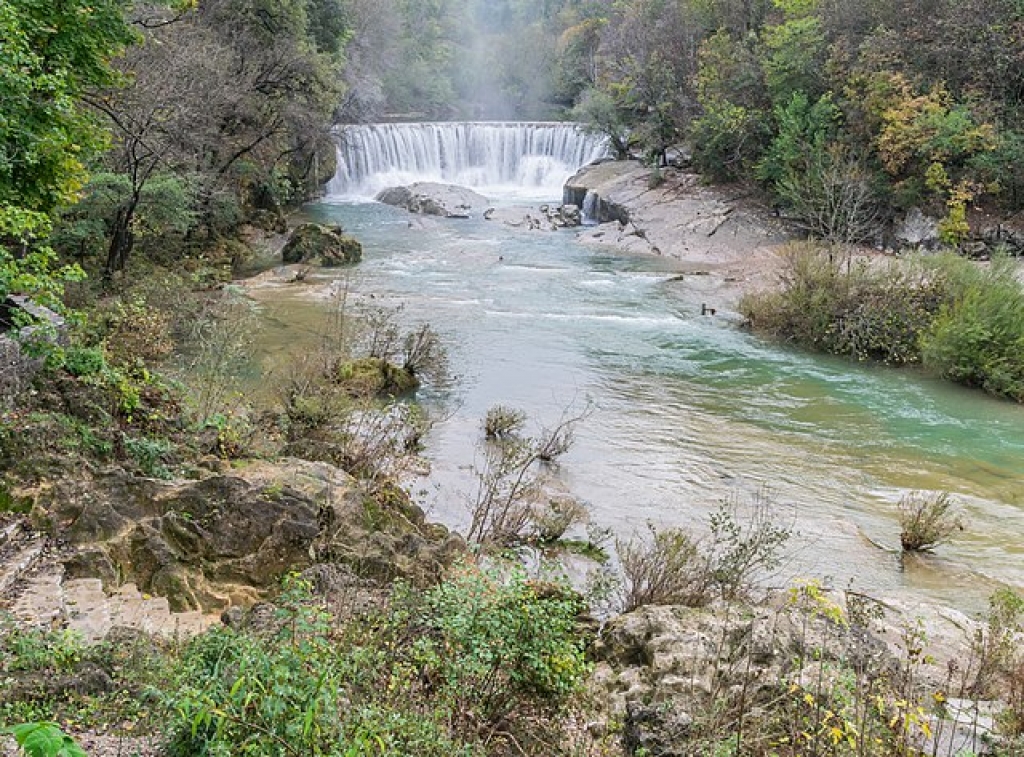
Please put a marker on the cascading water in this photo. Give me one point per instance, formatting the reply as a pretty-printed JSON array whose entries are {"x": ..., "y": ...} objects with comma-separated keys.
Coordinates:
[{"x": 502, "y": 157}]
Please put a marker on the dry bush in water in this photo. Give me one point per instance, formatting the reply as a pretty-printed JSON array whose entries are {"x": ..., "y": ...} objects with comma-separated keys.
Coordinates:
[
  {"x": 672, "y": 566},
  {"x": 928, "y": 520},
  {"x": 507, "y": 508}
]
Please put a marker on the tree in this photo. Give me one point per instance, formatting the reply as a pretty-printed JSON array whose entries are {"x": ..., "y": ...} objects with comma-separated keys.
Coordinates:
[
  {"x": 52, "y": 53},
  {"x": 245, "y": 113},
  {"x": 647, "y": 63}
]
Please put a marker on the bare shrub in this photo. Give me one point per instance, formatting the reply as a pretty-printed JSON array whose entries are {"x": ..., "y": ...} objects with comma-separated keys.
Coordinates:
[
  {"x": 337, "y": 401},
  {"x": 928, "y": 520},
  {"x": 557, "y": 515},
  {"x": 832, "y": 197},
  {"x": 673, "y": 566},
  {"x": 510, "y": 481},
  {"x": 378, "y": 332},
  {"x": 666, "y": 568}
]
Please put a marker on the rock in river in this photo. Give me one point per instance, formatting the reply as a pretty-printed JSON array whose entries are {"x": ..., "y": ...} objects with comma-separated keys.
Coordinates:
[{"x": 433, "y": 199}]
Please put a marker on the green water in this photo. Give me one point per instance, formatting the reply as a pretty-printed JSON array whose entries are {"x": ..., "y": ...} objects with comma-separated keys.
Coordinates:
[{"x": 687, "y": 410}]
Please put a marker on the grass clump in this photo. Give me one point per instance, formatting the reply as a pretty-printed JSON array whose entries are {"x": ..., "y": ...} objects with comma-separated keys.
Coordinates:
[{"x": 928, "y": 520}]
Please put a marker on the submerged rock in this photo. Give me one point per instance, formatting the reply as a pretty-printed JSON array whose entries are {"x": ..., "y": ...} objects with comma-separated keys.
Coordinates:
[
  {"x": 324, "y": 245},
  {"x": 433, "y": 199}
]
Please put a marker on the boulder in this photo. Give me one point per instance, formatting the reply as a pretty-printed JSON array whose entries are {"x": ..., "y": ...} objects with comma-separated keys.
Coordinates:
[
  {"x": 324, "y": 245},
  {"x": 917, "y": 230},
  {"x": 662, "y": 671},
  {"x": 433, "y": 199}
]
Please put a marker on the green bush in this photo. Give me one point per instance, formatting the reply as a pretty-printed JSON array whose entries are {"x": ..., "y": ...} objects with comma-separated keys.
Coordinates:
[
  {"x": 978, "y": 337},
  {"x": 85, "y": 361},
  {"x": 496, "y": 646},
  {"x": 830, "y": 304},
  {"x": 439, "y": 673}
]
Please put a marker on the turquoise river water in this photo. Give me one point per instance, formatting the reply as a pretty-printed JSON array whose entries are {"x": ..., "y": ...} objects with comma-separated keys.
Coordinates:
[{"x": 686, "y": 410}]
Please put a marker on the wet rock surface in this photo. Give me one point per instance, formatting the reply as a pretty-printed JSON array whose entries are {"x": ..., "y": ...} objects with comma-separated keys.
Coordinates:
[
  {"x": 725, "y": 230},
  {"x": 434, "y": 199}
]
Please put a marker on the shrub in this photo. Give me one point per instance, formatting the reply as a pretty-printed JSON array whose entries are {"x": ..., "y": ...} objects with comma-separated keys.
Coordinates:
[
  {"x": 829, "y": 303},
  {"x": 496, "y": 646},
  {"x": 556, "y": 516},
  {"x": 507, "y": 503},
  {"x": 501, "y": 422},
  {"x": 927, "y": 520},
  {"x": 977, "y": 338},
  {"x": 84, "y": 361},
  {"x": 457, "y": 670},
  {"x": 238, "y": 693},
  {"x": 672, "y": 566},
  {"x": 666, "y": 568}
]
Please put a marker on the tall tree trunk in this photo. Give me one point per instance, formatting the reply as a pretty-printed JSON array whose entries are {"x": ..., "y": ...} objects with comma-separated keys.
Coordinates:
[{"x": 122, "y": 240}]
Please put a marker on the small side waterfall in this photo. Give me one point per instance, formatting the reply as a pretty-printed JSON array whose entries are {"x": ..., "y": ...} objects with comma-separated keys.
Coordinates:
[{"x": 500, "y": 157}]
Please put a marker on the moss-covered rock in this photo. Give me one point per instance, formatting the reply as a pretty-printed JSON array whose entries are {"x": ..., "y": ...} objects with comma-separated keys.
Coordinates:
[
  {"x": 228, "y": 538},
  {"x": 323, "y": 245},
  {"x": 376, "y": 377}
]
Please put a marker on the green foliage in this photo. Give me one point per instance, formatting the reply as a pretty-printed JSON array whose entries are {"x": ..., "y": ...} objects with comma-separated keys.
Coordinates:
[
  {"x": 84, "y": 361},
  {"x": 599, "y": 112},
  {"x": 53, "y": 52},
  {"x": 963, "y": 321},
  {"x": 728, "y": 139},
  {"x": 795, "y": 58},
  {"x": 978, "y": 337},
  {"x": 434, "y": 675},
  {"x": 833, "y": 305},
  {"x": 242, "y": 694},
  {"x": 149, "y": 454},
  {"x": 493, "y": 645},
  {"x": 44, "y": 740},
  {"x": 804, "y": 130},
  {"x": 166, "y": 207}
]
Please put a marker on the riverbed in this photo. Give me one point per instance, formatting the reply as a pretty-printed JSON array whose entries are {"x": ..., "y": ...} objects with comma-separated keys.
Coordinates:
[{"x": 685, "y": 410}]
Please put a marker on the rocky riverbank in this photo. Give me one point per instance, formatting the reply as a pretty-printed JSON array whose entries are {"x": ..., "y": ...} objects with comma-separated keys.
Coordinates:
[{"x": 724, "y": 232}]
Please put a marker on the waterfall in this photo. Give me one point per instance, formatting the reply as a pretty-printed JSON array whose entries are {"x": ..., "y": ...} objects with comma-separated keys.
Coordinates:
[{"x": 502, "y": 158}]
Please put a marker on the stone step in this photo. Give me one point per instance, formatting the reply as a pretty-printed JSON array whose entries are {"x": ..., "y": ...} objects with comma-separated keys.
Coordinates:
[
  {"x": 41, "y": 601},
  {"x": 17, "y": 559},
  {"x": 9, "y": 530}
]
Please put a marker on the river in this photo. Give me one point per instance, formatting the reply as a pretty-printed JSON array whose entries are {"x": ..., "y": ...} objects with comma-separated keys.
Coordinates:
[{"x": 686, "y": 410}]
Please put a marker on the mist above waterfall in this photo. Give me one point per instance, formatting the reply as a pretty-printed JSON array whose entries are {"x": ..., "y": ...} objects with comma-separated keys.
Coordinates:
[
  {"x": 457, "y": 60},
  {"x": 528, "y": 159}
]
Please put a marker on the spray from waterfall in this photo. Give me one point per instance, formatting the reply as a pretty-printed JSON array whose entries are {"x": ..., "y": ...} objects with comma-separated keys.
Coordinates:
[{"x": 489, "y": 157}]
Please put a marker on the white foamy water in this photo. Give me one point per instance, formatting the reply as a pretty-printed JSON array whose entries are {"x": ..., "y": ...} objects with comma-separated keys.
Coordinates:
[{"x": 517, "y": 158}]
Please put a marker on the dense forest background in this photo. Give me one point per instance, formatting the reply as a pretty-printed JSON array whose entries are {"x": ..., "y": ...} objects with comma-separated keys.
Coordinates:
[{"x": 162, "y": 126}]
